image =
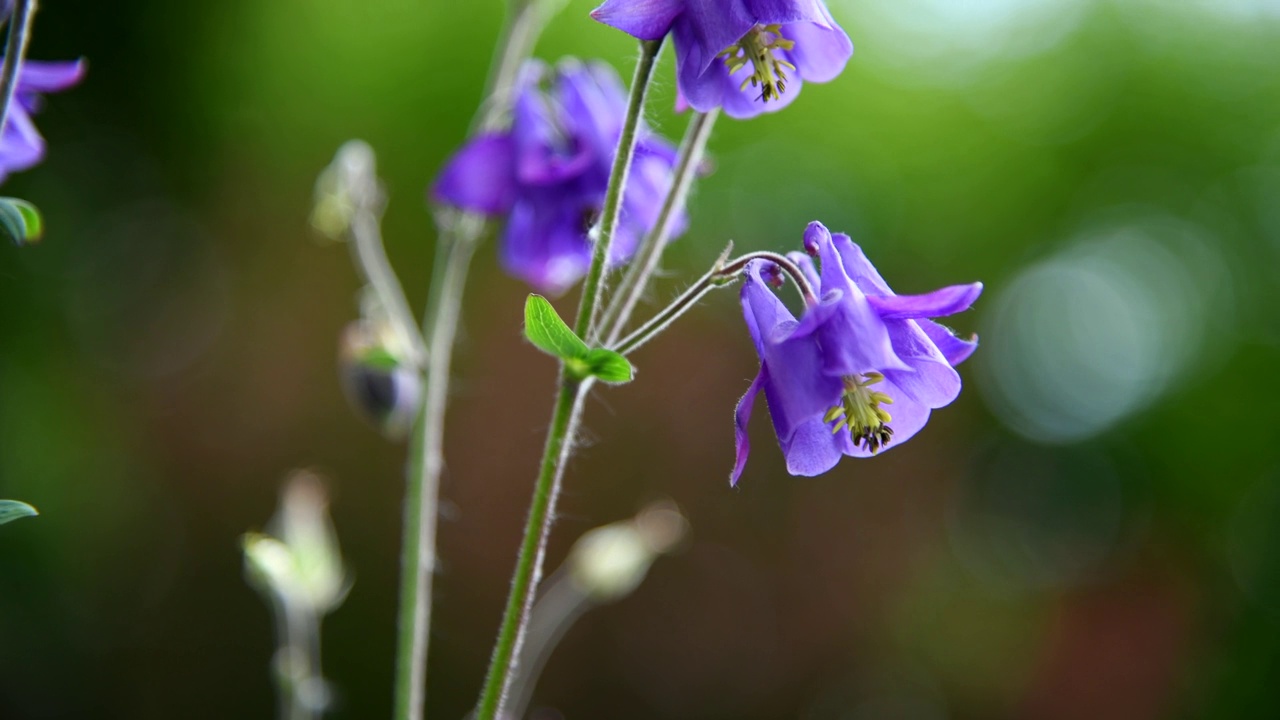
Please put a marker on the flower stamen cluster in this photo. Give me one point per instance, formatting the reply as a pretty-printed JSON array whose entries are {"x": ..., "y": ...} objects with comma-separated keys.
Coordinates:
[
  {"x": 757, "y": 47},
  {"x": 859, "y": 410}
]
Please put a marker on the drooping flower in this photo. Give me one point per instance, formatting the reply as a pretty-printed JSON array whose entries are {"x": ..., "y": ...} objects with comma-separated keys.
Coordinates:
[
  {"x": 746, "y": 56},
  {"x": 550, "y": 170},
  {"x": 21, "y": 145},
  {"x": 860, "y": 370}
]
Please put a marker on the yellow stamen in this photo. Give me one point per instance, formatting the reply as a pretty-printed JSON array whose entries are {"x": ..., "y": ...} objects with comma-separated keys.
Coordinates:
[
  {"x": 756, "y": 47},
  {"x": 860, "y": 411}
]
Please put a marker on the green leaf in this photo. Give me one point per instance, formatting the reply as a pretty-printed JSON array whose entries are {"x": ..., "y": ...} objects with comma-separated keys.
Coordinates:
[
  {"x": 549, "y": 333},
  {"x": 20, "y": 220},
  {"x": 13, "y": 509},
  {"x": 609, "y": 366}
]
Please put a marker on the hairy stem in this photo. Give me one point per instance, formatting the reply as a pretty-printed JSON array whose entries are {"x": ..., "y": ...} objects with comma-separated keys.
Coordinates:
[
  {"x": 462, "y": 232},
  {"x": 565, "y": 420},
  {"x": 15, "y": 51},
  {"x": 722, "y": 274},
  {"x": 589, "y": 306},
  {"x": 645, "y": 263},
  {"x": 371, "y": 260}
]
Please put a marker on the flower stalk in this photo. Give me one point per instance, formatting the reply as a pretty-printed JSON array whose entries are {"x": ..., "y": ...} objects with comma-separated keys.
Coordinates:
[
  {"x": 633, "y": 285},
  {"x": 460, "y": 234},
  {"x": 589, "y": 305},
  {"x": 566, "y": 418},
  {"x": 15, "y": 51},
  {"x": 722, "y": 274}
]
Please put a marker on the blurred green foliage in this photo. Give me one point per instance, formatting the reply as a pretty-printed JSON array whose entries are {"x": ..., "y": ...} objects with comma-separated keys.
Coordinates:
[{"x": 167, "y": 355}]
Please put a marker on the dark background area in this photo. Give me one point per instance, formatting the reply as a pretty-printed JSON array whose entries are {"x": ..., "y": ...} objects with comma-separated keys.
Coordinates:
[{"x": 1089, "y": 531}]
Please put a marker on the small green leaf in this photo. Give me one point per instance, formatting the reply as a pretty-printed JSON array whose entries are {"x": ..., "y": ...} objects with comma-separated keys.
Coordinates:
[
  {"x": 609, "y": 366},
  {"x": 11, "y": 510},
  {"x": 544, "y": 328},
  {"x": 20, "y": 220}
]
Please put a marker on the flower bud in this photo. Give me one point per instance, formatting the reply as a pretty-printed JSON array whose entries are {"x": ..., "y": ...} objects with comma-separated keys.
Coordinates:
[
  {"x": 349, "y": 182},
  {"x": 299, "y": 563},
  {"x": 383, "y": 388},
  {"x": 609, "y": 563}
]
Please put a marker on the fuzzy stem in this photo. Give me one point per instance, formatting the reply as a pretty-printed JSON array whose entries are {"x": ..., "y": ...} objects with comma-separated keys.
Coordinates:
[
  {"x": 692, "y": 149},
  {"x": 722, "y": 274},
  {"x": 371, "y": 260},
  {"x": 564, "y": 421},
  {"x": 14, "y": 52},
  {"x": 454, "y": 250},
  {"x": 589, "y": 306},
  {"x": 533, "y": 549}
]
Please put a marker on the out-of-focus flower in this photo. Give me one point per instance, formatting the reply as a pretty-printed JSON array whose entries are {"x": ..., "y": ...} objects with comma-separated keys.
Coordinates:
[
  {"x": 379, "y": 377},
  {"x": 609, "y": 562},
  {"x": 299, "y": 563},
  {"x": 830, "y": 377},
  {"x": 348, "y": 183},
  {"x": 550, "y": 170},
  {"x": 746, "y": 56},
  {"x": 21, "y": 145}
]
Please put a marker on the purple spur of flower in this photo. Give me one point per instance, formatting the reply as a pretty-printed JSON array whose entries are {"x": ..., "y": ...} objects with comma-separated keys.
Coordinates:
[
  {"x": 746, "y": 56},
  {"x": 831, "y": 377},
  {"x": 21, "y": 145},
  {"x": 549, "y": 172}
]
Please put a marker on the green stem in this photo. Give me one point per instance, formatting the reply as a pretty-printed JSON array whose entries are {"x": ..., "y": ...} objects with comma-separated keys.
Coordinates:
[
  {"x": 565, "y": 419},
  {"x": 371, "y": 259},
  {"x": 722, "y": 274},
  {"x": 454, "y": 250},
  {"x": 422, "y": 489},
  {"x": 692, "y": 149},
  {"x": 14, "y": 51},
  {"x": 590, "y": 303},
  {"x": 524, "y": 584}
]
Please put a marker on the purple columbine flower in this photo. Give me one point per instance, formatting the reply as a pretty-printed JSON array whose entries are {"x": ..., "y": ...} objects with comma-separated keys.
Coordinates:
[
  {"x": 862, "y": 367},
  {"x": 550, "y": 170},
  {"x": 21, "y": 145},
  {"x": 746, "y": 56}
]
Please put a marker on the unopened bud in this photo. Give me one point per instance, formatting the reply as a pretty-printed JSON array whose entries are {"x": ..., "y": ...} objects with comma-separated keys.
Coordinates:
[
  {"x": 299, "y": 563},
  {"x": 349, "y": 182},
  {"x": 379, "y": 384},
  {"x": 609, "y": 563}
]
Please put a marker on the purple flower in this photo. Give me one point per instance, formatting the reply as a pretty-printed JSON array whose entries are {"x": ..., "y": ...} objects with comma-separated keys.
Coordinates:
[
  {"x": 746, "y": 56},
  {"x": 21, "y": 145},
  {"x": 549, "y": 172},
  {"x": 862, "y": 367}
]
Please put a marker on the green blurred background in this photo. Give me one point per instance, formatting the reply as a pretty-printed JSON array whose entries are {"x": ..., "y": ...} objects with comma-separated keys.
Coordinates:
[{"x": 1090, "y": 531}]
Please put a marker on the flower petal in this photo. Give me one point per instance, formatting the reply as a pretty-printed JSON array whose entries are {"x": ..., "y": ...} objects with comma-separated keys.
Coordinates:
[
  {"x": 796, "y": 388},
  {"x": 855, "y": 339},
  {"x": 859, "y": 268},
  {"x": 642, "y": 19},
  {"x": 544, "y": 156},
  {"x": 820, "y": 53},
  {"x": 47, "y": 77},
  {"x": 591, "y": 103},
  {"x": 931, "y": 381},
  {"x": 741, "y": 417},
  {"x": 954, "y": 349},
  {"x": 947, "y": 301},
  {"x": 812, "y": 449},
  {"x": 770, "y": 12},
  {"x": 545, "y": 243},
  {"x": 763, "y": 311},
  {"x": 480, "y": 177},
  {"x": 708, "y": 27}
]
